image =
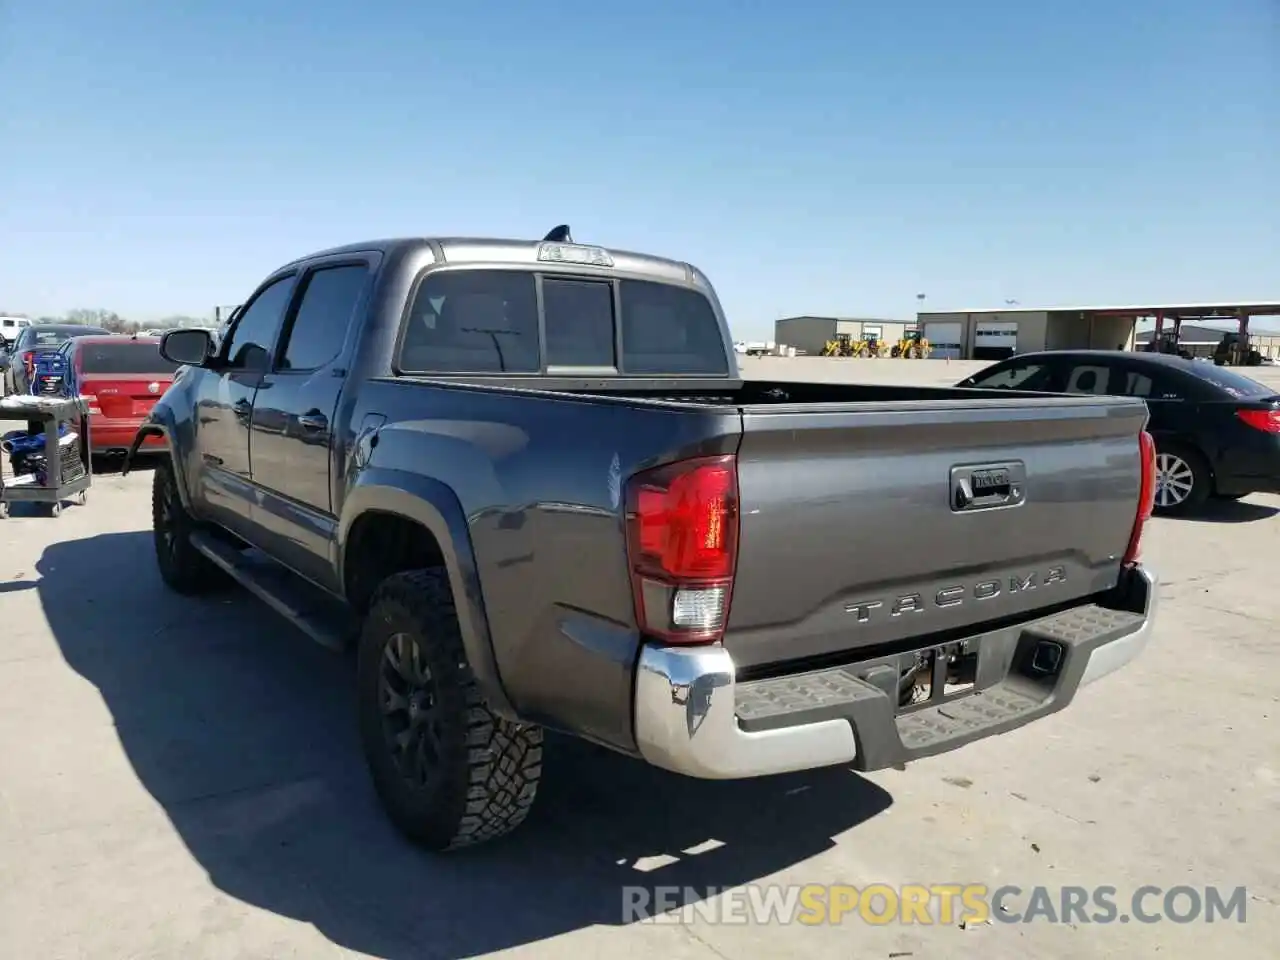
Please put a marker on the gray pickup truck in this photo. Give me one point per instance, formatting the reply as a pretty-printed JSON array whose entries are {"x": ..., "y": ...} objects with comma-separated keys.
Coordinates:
[{"x": 526, "y": 480}]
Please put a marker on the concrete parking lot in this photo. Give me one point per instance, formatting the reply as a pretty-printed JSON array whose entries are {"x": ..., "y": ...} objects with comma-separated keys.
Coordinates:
[{"x": 182, "y": 779}]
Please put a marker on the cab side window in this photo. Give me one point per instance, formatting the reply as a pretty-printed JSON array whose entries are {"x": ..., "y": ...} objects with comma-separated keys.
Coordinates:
[
  {"x": 249, "y": 344},
  {"x": 320, "y": 324}
]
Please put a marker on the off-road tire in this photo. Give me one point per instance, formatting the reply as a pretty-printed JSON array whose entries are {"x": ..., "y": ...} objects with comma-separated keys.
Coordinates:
[
  {"x": 1201, "y": 479},
  {"x": 484, "y": 777},
  {"x": 183, "y": 568}
]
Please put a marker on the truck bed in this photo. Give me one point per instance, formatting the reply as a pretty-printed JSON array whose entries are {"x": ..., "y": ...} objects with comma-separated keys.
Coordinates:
[
  {"x": 850, "y": 537},
  {"x": 851, "y": 542},
  {"x": 729, "y": 393}
]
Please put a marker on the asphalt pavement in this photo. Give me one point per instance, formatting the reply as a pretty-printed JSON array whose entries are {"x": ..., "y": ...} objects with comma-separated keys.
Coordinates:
[{"x": 181, "y": 778}]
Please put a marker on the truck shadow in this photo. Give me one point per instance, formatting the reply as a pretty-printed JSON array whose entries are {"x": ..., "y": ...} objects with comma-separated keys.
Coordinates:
[{"x": 243, "y": 731}]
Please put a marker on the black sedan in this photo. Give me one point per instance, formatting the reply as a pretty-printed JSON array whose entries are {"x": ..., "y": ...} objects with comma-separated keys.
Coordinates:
[
  {"x": 1217, "y": 432},
  {"x": 37, "y": 339}
]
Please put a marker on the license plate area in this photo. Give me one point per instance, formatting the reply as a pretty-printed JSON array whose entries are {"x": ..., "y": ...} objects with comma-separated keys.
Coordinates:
[{"x": 936, "y": 675}]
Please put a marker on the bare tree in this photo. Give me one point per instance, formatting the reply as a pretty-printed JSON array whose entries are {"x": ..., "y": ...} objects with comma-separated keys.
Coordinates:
[{"x": 106, "y": 319}]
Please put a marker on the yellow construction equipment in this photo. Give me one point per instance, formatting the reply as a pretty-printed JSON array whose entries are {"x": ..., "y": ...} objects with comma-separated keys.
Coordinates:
[
  {"x": 871, "y": 347},
  {"x": 913, "y": 346},
  {"x": 841, "y": 346},
  {"x": 845, "y": 346}
]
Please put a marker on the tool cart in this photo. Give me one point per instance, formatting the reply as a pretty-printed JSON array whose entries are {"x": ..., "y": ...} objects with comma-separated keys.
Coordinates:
[{"x": 48, "y": 460}]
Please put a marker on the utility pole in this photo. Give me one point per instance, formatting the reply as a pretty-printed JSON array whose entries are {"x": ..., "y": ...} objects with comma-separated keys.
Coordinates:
[{"x": 224, "y": 313}]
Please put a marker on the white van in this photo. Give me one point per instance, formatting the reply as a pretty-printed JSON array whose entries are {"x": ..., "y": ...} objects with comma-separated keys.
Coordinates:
[{"x": 10, "y": 327}]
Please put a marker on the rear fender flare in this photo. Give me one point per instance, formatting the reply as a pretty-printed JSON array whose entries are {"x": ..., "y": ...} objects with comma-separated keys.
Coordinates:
[{"x": 433, "y": 505}]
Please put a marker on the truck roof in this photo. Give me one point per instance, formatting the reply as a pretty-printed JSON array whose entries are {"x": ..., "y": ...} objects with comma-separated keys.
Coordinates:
[{"x": 526, "y": 252}]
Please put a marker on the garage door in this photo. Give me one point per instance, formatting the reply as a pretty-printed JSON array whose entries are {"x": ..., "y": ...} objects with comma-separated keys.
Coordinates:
[
  {"x": 995, "y": 339},
  {"x": 944, "y": 338},
  {"x": 992, "y": 334}
]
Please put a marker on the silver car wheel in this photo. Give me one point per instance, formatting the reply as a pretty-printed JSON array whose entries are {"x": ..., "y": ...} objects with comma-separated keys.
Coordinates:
[{"x": 1174, "y": 480}]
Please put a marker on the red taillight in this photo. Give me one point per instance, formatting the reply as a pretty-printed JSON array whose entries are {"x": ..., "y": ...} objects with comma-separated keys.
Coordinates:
[
  {"x": 29, "y": 361},
  {"x": 1146, "y": 495},
  {"x": 682, "y": 546},
  {"x": 1268, "y": 421}
]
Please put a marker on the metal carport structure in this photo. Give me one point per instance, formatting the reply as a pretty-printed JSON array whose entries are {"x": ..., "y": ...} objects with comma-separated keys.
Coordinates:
[{"x": 1191, "y": 313}]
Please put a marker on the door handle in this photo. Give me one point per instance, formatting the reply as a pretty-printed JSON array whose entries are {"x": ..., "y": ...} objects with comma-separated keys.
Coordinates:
[{"x": 313, "y": 420}]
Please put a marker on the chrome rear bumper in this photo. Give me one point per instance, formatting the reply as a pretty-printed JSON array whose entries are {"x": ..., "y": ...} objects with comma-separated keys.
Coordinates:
[{"x": 686, "y": 721}]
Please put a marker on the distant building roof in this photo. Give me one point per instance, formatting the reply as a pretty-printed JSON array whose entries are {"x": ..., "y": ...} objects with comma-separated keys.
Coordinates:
[
  {"x": 1198, "y": 310},
  {"x": 823, "y": 316}
]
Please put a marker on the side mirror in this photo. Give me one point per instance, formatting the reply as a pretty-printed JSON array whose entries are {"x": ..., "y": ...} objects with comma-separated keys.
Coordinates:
[{"x": 189, "y": 347}]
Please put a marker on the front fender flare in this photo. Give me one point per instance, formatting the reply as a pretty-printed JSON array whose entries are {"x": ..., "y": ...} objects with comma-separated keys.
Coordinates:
[
  {"x": 161, "y": 422},
  {"x": 144, "y": 431},
  {"x": 435, "y": 506}
]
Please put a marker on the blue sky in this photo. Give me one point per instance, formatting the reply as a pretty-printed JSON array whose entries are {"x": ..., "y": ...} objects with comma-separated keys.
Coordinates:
[{"x": 812, "y": 157}]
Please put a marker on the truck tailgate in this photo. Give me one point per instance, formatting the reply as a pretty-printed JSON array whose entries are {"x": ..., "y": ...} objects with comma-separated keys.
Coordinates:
[{"x": 891, "y": 521}]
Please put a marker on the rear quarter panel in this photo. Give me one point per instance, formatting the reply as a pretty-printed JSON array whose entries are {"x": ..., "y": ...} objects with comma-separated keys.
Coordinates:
[{"x": 539, "y": 479}]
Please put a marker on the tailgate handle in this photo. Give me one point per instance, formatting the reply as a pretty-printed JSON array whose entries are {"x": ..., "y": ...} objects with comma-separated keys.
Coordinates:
[{"x": 988, "y": 485}]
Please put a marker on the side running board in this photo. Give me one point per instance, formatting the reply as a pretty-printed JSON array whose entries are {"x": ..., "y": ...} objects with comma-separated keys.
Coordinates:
[{"x": 308, "y": 608}]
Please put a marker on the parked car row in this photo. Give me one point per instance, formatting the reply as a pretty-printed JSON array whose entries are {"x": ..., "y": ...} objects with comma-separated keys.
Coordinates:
[
  {"x": 35, "y": 341},
  {"x": 121, "y": 377}
]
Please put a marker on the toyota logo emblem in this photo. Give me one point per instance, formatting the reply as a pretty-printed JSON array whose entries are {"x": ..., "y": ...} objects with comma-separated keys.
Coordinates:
[{"x": 153, "y": 388}]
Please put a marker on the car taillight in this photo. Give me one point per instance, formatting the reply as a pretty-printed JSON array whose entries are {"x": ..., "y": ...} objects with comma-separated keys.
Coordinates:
[
  {"x": 1146, "y": 495},
  {"x": 682, "y": 547},
  {"x": 1268, "y": 421},
  {"x": 29, "y": 361}
]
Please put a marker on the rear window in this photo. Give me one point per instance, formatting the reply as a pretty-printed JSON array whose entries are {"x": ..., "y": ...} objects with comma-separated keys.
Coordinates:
[
  {"x": 1235, "y": 384},
  {"x": 487, "y": 321},
  {"x": 46, "y": 338},
  {"x": 669, "y": 329},
  {"x": 123, "y": 358},
  {"x": 32, "y": 338}
]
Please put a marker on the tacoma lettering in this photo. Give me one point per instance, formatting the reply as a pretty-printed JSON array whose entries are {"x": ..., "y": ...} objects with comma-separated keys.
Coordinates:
[{"x": 957, "y": 594}]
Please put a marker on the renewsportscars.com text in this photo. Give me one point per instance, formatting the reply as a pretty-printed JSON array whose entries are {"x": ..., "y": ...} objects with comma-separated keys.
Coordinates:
[{"x": 927, "y": 904}]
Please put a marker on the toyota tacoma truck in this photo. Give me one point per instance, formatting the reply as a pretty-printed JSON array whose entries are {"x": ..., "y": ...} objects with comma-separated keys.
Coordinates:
[{"x": 525, "y": 480}]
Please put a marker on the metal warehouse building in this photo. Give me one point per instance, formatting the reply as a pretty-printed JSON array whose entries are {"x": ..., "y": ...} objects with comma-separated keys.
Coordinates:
[
  {"x": 810, "y": 334},
  {"x": 999, "y": 333}
]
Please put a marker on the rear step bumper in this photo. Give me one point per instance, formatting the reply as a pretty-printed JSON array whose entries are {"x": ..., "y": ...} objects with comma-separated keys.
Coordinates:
[{"x": 692, "y": 717}]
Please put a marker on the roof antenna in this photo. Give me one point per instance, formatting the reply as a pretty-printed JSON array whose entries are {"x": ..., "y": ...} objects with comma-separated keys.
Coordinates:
[{"x": 559, "y": 234}]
